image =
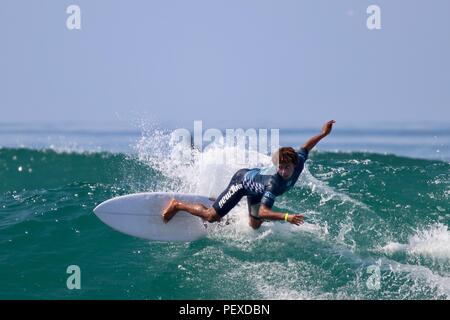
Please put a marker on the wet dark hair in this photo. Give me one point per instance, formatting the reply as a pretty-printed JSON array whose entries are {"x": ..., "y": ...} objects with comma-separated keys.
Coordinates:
[{"x": 285, "y": 155}]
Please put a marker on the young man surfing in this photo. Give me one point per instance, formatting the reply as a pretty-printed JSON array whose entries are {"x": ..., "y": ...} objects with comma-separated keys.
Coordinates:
[{"x": 260, "y": 188}]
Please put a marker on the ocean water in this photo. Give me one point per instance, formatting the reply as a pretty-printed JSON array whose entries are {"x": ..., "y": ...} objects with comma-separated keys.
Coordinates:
[{"x": 376, "y": 204}]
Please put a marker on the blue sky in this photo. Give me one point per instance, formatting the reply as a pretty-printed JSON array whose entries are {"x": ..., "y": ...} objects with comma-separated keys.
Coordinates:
[{"x": 229, "y": 63}]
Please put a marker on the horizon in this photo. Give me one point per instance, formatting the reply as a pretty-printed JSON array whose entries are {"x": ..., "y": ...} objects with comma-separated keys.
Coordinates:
[{"x": 135, "y": 123}]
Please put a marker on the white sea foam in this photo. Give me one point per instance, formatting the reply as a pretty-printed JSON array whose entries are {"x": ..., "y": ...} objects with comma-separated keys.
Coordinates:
[
  {"x": 433, "y": 242},
  {"x": 206, "y": 173},
  {"x": 420, "y": 273}
]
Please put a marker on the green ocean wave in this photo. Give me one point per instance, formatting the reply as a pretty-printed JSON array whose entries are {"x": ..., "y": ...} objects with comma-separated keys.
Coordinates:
[{"x": 363, "y": 210}]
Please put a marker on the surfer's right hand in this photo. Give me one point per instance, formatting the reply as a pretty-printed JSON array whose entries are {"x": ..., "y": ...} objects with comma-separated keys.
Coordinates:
[
  {"x": 326, "y": 129},
  {"x": 296, "y": 219}
]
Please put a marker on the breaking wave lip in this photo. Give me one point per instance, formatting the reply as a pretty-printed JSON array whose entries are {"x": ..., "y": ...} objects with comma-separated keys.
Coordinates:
[{"x": 433, "y": 243}]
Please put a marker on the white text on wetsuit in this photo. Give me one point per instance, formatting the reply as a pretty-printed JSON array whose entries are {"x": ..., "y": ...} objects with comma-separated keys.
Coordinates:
[{"x": 227, "y": 196}]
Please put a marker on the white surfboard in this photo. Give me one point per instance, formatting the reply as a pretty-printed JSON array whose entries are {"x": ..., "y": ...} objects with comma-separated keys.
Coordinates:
[{"x": 139, "y": 215}]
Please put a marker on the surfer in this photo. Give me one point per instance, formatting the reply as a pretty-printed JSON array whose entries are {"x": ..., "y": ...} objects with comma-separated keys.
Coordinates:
[{"x": 259, "y": 185}]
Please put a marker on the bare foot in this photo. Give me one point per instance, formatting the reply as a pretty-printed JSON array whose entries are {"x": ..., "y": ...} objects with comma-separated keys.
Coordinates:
[{"x": 170, "y": 211}]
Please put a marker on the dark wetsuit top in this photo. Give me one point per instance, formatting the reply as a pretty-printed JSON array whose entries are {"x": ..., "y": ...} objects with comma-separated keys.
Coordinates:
[{"x": 260, "y": 185}]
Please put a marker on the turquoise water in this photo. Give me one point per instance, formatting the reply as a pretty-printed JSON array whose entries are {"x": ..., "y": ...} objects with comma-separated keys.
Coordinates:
[{"x": 364, "y": 210}]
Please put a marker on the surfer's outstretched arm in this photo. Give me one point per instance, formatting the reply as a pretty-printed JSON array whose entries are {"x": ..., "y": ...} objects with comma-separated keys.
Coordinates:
[
  {"x": 266, "y": 213},
  {"x": 326, "y": 129}
]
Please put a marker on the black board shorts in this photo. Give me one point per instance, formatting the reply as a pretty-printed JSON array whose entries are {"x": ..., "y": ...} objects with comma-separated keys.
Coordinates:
[{"x": 233, "y": 193}]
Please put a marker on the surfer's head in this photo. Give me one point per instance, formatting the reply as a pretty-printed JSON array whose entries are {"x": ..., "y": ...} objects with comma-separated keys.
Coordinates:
[{"x": 286, "y": 159}]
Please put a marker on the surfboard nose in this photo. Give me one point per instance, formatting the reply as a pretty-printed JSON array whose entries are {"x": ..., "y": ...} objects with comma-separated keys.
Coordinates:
[
  {"x": 95, "y": 210},
  {"x": 100, "y": 207}
]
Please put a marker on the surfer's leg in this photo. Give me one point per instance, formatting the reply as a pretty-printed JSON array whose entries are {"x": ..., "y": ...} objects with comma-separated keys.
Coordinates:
[
  {"x": 254, "y": 223},
  {"x": 253, "y": 208},
  {"x": 230, "y": 197},
  {"x": 199, "y": 210},
  {"x": 169, "y": 211},
  {"x": 221, "y": 206},
  {"x": 196, "y": 209}
]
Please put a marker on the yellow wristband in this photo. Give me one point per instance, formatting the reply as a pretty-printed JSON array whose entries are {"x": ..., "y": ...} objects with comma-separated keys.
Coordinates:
[{"x": 286, "y": 215}]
